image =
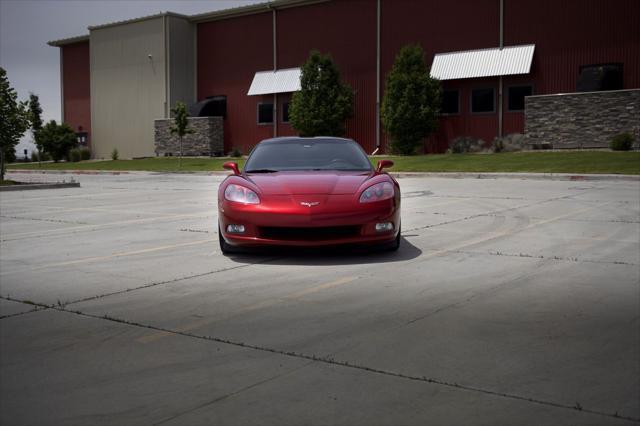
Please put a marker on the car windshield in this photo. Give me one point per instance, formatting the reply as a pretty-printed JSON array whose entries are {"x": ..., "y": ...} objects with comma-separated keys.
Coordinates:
[{"x": 307, "y": 154}]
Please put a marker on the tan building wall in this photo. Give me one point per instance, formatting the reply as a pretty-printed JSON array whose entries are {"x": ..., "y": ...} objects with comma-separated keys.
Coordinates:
[
  {"x": 127, "y": 87},
  {"x": 182, "y": 57}
]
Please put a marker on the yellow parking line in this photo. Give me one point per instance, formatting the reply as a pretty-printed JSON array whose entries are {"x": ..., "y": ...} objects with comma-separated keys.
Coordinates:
[
  {"x": 104, "y": 225},
  {"x": 259, "y": 305},
  {"x": 112, "y": 256}
]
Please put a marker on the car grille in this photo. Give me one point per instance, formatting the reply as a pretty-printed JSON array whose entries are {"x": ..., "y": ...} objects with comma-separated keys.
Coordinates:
[{"x": 309, "y": 234}]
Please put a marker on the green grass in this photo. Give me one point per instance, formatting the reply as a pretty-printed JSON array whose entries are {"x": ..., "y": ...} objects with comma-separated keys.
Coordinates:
[
  {"x": 7, "y": 182},
  {"x": 163, "y": 164},
  {"x": 538, "y": 162}
]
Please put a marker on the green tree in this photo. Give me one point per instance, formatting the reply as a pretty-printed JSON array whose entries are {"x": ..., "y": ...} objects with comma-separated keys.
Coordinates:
[
  {"x": 57, "y": 140},
  {"x": 181, "y": 124},
  {"x": 324, "y": 102},
  {"x": 35, "y": 116},
  {"x": 14, "y": 120},
  {"x": 411, "y": 101}
]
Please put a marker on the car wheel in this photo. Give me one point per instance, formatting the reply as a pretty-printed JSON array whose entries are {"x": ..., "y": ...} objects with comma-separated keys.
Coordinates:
[
  {"x": 395, "y": 244},
  {"x": 225, "y": 247}
]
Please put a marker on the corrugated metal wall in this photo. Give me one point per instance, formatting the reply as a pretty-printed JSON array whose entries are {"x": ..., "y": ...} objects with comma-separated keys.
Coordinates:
[
  {"x": 230, "y": 51},
  {"x": 76, "y": 86},
  {"x": 571, "y": 33},
  {"x": 567, "y": 34},
  {"x": 128, "y": 86},
  {"x": 347, "y": 31}
]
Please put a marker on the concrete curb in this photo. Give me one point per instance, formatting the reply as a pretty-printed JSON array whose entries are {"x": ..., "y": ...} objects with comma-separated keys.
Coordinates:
[
  {"x": 69, "y": 172},
  {"x": 28, "y": 186},
  {"x": 399, "y": 175},
  {"x": 523, "y": 176}
]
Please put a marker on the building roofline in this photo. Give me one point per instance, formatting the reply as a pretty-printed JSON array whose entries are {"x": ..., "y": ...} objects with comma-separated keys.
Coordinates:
[
  {"x": 70, "y": 40},
  {"x": 216, "y": 15},
  {"x": 251, "y": 9},
  {"x": 142, "y": 18}
]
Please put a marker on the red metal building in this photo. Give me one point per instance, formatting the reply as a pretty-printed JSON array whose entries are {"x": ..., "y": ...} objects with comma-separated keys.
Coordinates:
[
  {"x": 76, "y": 86},
  {"x": 364, "y": 36}
]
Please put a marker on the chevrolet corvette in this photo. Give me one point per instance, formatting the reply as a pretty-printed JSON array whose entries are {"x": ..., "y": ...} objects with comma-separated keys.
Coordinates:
[{"x": 320, "y": 191}]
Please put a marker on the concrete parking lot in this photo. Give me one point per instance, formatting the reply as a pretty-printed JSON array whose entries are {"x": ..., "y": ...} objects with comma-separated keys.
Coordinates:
[{"x": 510, "y": 302}]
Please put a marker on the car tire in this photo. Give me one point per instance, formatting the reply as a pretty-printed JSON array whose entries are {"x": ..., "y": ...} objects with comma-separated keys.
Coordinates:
[
  {"x": 395, "y": 244},
  {"x": 225, "y": 247}
]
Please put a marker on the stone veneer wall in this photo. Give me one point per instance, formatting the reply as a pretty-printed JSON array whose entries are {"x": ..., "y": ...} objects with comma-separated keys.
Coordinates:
[
  {"x": 582, "y": 120},
  {"x": 207, "y": 138}
]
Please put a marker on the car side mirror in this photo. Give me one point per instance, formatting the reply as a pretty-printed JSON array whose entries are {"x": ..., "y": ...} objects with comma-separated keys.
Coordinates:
[
  {"x": 230, "y": 165},
  {"x": 383, "y": 164}
]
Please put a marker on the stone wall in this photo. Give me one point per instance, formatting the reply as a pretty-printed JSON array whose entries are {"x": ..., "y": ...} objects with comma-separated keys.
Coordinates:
[
  {"x": 207, "y": 138},
  {"x": 582, "y": 120}
]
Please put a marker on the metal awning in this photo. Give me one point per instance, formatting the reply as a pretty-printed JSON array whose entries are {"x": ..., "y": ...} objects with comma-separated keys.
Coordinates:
[
  {"x": 279, "y": 81},
  {"x": 493, "y": 62}
]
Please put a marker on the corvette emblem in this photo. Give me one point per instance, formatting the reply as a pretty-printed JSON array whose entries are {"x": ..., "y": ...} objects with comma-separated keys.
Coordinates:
[{"x": 311, "y": 204}]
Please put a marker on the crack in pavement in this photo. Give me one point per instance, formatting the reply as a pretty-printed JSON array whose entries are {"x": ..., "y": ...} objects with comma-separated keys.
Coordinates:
[
  {"x": 72, "y": 222},
  {"x": 239, "y": 391},
  {"x": 36, "y": 309},
  {"x": 532, "y": 256},
  {"x": 171, "y": 281},
  {"x": 331, "y": 361}
]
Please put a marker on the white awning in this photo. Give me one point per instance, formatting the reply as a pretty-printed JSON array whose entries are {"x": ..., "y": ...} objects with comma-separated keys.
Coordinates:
[
  {"x": 279, "y": 81},
  {"x": 483, "y": 63}
]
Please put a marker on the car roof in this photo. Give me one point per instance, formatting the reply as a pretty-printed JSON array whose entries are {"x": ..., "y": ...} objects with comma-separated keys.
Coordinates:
[{"x": 287, "y": 139}]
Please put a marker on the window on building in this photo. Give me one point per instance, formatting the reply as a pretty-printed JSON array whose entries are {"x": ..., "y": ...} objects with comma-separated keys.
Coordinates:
[
  {"x": 285, "y": 112},
  {"x": 593, "y": 78},
  {"x": 216, "y": 107},
  {"x": 265, "y": 113},
  {"x": 482, "y": 100},
  {"x": 450, "y": 102},
  {"x": 516, "y": 97}
]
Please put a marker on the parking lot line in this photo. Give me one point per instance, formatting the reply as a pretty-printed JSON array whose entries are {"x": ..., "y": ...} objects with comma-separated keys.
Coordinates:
[
  {"x": 112, "y": 256},
  {"x": 259, "y": 305},
  {"x": 105, "y": 225}
]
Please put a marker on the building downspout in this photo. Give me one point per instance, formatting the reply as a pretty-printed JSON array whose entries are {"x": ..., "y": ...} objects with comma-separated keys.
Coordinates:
[
  {"x": 500, "y": 95},
  {"x": 275, "y": 68},
  {"x": 62, "y": 82},
  {"x": 166, "y": 67},
  {"x": 377, "y": 77}
]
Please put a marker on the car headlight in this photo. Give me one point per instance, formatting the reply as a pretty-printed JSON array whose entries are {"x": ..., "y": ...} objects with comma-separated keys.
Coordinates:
[
  {"x": 378, "y": 192},
  {"x": 240, "y": 194}
]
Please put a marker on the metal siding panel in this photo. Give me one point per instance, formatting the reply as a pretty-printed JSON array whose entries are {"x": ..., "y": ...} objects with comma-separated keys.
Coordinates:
[
  {"x": 572, "y": 33},
  {"x": 230, "y": 51},
  {"x": 439, "y": 26},
  {"x": 76, "y": 86},
  {"x": 128, "y": 88},
  {"x": 347, "y": 31}
]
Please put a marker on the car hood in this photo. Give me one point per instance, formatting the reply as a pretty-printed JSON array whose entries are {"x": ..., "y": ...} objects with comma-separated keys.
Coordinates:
[{"x": 307, "y": 183}]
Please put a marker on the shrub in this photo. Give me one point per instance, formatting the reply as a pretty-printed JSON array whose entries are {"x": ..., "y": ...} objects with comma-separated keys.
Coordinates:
[
  {"x": 411, "y": 101},
  {"x": 464, "y": 144},
  {"x": 324, "y": 102},
  {"x": 114, "y": 154},
  {"x": 57, "y": 139},
  {"x": 510, "y": 143},
  {"x": 74, "y": 155},
  {"x": 621, "y": 142},
  {"x": 43, "y": 156},
  {"x": 85, "y": 154},
  {"x": 236, "y": 152}
]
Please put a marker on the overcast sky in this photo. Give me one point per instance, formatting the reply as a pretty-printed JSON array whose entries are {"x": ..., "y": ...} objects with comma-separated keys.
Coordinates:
[{"x": 27, "y": 25}]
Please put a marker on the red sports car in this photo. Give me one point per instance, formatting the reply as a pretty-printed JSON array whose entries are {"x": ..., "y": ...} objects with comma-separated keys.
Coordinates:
[{"x": 308, "y": 192}]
